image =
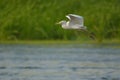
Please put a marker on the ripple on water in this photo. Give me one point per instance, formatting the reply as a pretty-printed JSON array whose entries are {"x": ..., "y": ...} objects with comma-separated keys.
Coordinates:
[{"x": 64, "y": 62}]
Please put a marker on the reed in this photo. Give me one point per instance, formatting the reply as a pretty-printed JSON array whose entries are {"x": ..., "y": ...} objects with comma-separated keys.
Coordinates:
[{"x": 35, "y": 19}]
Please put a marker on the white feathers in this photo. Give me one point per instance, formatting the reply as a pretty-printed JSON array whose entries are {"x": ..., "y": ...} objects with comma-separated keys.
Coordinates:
[{"x": 75, "y": 22}]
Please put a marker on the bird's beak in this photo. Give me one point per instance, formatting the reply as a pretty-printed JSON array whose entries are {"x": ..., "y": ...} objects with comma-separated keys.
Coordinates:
[{"x": 58, "y": 23}]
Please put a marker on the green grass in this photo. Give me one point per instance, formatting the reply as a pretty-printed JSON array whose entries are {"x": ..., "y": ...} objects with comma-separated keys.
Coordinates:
[
  {"x": 49, "y": 42},
  {"x": 35, "y": 19}
]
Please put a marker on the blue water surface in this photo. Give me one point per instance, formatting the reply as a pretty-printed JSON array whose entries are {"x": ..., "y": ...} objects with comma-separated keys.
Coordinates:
[{"x": 59, "y": 62}]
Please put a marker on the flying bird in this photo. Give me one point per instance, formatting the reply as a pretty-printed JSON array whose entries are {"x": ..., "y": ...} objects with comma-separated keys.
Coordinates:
[{"x": 75, "y": 22}]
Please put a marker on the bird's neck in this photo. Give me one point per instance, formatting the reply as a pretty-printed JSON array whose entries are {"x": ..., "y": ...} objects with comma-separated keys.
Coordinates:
[{"x": 65, "y": 25}]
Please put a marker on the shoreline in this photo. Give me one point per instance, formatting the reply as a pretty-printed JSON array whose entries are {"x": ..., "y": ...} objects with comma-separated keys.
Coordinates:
[{"x": 59, "y": 42}]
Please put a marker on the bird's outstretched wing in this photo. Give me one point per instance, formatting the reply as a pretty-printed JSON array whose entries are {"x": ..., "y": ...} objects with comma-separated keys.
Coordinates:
[{"x": 75, "y": 19}]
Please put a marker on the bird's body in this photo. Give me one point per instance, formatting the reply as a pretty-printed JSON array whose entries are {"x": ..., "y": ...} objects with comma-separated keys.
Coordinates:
[{"x": 75, "y": 22}]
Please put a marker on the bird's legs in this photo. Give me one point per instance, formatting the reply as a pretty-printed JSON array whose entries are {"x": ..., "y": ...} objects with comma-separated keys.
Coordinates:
[{"x": 90, "y": 34}]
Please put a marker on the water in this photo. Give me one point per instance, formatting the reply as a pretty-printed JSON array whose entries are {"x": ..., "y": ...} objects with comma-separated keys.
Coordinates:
[{"x": 59, "y": 62}]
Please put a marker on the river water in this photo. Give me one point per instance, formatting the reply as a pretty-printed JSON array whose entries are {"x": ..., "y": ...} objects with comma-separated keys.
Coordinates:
[{"x": 59, "y": 62}]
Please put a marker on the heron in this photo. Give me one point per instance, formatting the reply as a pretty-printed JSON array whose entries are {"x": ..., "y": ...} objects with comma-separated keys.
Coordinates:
[{"x": 75, "y": 22}]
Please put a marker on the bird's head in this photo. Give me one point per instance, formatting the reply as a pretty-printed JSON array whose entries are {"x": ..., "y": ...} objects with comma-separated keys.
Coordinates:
[{"x": 61, "y": 22}]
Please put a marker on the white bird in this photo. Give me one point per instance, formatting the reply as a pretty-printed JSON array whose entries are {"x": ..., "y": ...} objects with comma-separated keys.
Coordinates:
[{"x": 74, "y": 22}]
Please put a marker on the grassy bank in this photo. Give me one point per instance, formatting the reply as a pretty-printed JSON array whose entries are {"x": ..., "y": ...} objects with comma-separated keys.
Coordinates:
[
  {"x": 49, "y": 42},
  {"x": 35, "y": 19}
]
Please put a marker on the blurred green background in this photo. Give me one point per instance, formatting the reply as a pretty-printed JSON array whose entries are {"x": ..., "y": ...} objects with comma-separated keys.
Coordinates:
[{"x": 35, "y": 19}]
